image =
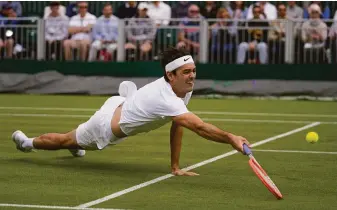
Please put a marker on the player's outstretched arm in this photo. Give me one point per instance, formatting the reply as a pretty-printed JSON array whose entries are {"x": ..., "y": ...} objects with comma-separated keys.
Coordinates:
[
  {"x": 209, "y": 131},
  {"x": 176, "y": 135}
]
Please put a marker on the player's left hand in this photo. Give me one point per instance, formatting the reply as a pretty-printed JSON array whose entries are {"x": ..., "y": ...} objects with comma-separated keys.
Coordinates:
[{"x": 179, "y": 172}]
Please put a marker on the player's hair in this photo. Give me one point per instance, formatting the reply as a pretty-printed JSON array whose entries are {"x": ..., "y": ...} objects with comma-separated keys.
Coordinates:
[{"x": 169, "y": 55}]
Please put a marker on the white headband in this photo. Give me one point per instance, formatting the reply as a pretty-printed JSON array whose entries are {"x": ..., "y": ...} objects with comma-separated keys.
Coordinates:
[{"x": 178, "y": 62}]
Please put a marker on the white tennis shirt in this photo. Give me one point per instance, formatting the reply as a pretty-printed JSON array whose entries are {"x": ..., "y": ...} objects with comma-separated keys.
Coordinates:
[{"x": 151, "y": 107}]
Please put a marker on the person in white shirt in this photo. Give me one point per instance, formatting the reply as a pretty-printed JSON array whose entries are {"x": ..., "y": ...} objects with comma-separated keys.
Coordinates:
[
  {"x": 160, "y": 12},
  {"x": 80, "y": 28},
  {"x": 48, "y": 9},
  {"x": 269, "y": 11},
  {"x": 138, "y": 111},
  {"x": 56, "y": 30}
]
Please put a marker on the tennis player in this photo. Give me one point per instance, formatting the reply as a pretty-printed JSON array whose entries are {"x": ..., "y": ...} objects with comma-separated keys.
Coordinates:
[{"x": 137, "y": 111}]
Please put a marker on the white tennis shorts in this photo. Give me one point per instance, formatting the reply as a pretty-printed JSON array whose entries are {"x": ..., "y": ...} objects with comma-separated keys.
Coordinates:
[{"x": 95, "y": 134}]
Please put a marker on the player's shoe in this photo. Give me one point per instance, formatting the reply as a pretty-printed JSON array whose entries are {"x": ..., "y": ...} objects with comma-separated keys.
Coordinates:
[
  {"x": 77, "y": 152},
  {"x": 19, "y": 138}
]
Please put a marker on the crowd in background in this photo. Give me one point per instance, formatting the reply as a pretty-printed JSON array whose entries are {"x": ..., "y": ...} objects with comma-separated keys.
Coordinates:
[{"x": 248, "y": 32}]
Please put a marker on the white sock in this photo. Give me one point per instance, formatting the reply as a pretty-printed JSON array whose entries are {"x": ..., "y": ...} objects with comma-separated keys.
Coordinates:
[{"x": 28, "y": 143}]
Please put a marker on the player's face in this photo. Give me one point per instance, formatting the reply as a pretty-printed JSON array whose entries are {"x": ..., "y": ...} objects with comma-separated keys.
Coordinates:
[{"x": 183, "y": 80}]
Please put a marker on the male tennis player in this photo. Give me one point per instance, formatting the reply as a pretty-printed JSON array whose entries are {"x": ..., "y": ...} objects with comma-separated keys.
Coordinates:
[{"x": 137, "y": 111}]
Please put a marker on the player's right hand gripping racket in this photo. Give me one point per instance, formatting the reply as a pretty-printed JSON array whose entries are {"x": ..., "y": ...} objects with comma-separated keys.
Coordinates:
[{"x": 261, "y": 174}]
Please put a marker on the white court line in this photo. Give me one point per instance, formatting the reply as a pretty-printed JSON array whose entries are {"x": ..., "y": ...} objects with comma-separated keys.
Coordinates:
[
  {"x": 50, "y": 207},
  {"x": 205, "y": 119},
  {"x": 196, "y": 112},
  {"x": 295, "y": 151},
  {"x": 167, "y": 176}
]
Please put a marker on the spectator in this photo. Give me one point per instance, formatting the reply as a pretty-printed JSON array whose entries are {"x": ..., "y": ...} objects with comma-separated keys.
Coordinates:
[
  {"x": 160, "y": 12},
  {"x": 141, "y": 31},
  {"x": 256, "y": 39},
  {"x": 8, "y": 34},
  {"x": 268, "y": 11},
  {"x": 223, "y": 37},
  {"x": 277, "y": 35},
  {"x": 56, "y": 30},
  {"x": 72, "y": 9},
  {"x": 189, "y": 37},
  {"x": 61, "y": 10},
  {"x": 324, "y": 15},
  {"x": 180, "y": 10},
  {"x": 294, "y": 11},
  {"x": 333, "y": 40},
  {"x": 80, "y": 28},
  {"x": 15, "y": 5},
  {"x": 127, "y": 10},
  {"x": 209, "y": 10},
  {"x": 105, "y": 33},
  {"x": 237, "y": 10},
  {"x": 314, "y": 35}
]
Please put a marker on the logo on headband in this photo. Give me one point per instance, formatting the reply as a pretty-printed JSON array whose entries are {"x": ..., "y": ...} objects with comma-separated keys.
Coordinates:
[{"x": 186, "y": 59}]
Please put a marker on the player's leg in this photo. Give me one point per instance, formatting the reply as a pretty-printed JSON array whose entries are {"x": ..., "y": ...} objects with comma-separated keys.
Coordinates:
[{"x": 49, "y": 141}]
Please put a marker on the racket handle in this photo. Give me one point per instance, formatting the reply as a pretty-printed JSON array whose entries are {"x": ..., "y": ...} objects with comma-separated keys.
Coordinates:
[{"x": 246, "y": 149}]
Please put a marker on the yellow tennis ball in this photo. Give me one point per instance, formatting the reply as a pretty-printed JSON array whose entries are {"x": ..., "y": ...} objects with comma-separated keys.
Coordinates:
[{"x": 312, "y": 137}]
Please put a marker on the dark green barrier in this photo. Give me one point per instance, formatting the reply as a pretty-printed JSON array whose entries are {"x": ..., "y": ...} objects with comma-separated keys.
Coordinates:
[{"x": 153, "y": 69}]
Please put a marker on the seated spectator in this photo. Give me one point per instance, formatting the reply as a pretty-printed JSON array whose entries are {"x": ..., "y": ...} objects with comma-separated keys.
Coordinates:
[
  {"x": 294, "y": 12},
  {"x": 223, "y": 38},
  {"x": 105, "y": 33},
  {"x": 8, "y": 36},
  {"x": 15, "y": 5},
  {"x": 209, "y": 10},
  {"x": 160, "y": 12},
  {"x": 80, "y": 29},
  {"x": 72, "y": 9},
  {"x": 314, "y": 35},
  {"x": 127, "y": 10},
  {"x": 141, "y": 31},
  {"x": 189, "y": 37},
  {"x": 61, "y": 10},
  {"x": 237, "y": 10},
  {"x": 333, "y": 40},
  {"x": 56, "y": 30},
  {"x": 277, "y": 34},
  {"x": 180, "y": 10},
  {"x": 325, "y": 14},
  {"x": 256, "y": 39},
  {"x": 268, "y": 10}
]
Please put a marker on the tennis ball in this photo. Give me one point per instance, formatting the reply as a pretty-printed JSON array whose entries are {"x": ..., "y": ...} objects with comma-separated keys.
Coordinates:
[{"x": 312, "y": 137}]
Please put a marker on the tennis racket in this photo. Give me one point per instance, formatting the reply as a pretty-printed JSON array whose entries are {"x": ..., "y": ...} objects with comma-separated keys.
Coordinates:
[{"x": 261, "y": 174}]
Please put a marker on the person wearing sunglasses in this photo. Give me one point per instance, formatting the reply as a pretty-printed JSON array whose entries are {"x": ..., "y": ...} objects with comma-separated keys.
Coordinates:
[{"x": 80, "y": 29}]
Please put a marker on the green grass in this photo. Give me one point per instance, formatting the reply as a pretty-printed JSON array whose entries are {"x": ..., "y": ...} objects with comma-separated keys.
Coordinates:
[{"x": 307, "y": 181}]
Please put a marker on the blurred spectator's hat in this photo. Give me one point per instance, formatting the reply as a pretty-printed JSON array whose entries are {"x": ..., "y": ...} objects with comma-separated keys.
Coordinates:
[
  {"x": 143, "y": 5},
  {"x": 315, "y": 7}
]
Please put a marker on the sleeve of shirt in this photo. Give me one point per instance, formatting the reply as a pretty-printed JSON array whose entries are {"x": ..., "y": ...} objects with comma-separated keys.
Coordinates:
[
  {"x": 65, "y": 24},
  {"x": 95, "y": 31},
  {"x": 172, "y": 107},
  {"x": 167, "y": 15},
  {"x": 72, "y": 22},
  {"x": 93, "y": 20}
]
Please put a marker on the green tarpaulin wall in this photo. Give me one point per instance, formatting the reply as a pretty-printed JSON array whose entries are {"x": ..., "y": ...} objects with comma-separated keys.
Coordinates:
[{"x": 153, "y": 69}]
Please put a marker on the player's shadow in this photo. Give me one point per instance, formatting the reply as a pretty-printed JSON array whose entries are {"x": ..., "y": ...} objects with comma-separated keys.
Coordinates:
[{"x": 82, "y": 164}]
